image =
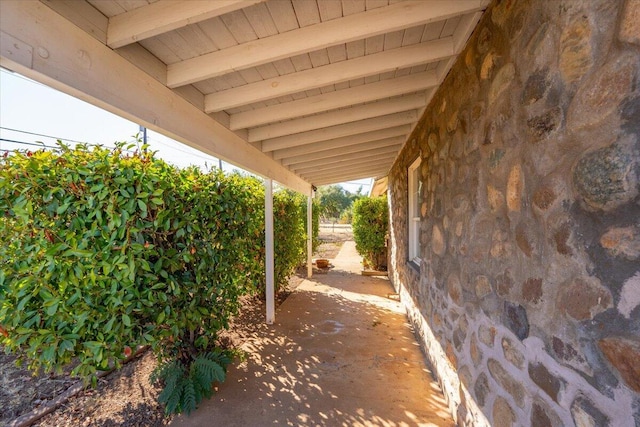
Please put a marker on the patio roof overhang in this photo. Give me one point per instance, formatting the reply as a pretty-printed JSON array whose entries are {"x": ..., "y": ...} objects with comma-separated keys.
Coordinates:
[{"x": 304, "y": 92}]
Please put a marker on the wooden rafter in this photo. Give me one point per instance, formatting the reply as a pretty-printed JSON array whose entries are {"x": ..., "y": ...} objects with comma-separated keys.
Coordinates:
[
  {"x": 357, "y": 149},
  {"x": 353, "y": 27},
  {"x": 343, "y": 142},
  {"x": 338, "y": 117},
  {"x": 339, "y": 158},
  {"x": 339, "y": 131},
  {"x": 334, "y": 100},
  {"x": 388, "y": 60},
  {"x": 165, "y": 15}
]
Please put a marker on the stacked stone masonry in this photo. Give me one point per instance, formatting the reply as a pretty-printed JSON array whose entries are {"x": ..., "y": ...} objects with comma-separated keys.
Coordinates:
[{"x": 527, "y": 295}]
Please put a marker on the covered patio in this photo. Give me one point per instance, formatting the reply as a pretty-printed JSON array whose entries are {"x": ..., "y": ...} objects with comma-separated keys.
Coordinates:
[
  {"x": 302, "y": 93},
  {"x": 505, "y": 133},
  {"x": 340, "y": 353}
]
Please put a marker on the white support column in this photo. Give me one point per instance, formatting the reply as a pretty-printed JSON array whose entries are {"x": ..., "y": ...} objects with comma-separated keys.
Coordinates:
[
  {"x": 310, "y": 234},
  {"x": 268, "y": 237}
]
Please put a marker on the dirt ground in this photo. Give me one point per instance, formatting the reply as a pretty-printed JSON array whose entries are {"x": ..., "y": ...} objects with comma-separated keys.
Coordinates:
[{"x": 126, "y": 397}]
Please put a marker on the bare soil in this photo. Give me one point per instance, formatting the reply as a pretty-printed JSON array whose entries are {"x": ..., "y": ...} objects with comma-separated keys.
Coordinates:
[{"x": 126, "y": 397}]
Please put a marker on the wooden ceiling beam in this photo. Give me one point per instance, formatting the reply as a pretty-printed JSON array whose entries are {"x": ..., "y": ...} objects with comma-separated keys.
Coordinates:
[
  {"x": 363, "y": 66},
  {"x": 347, "y": 166},
  {"x": 347, "y": 178},
  {"x": 333, "y": 178},
  {"x": 307, "y": 39},
  {"x": 333, "y": 100},
  {"x": 339, "y": 131},
  {"x": 378, "y": 153},
  {"x": 343, "y": 142},
  {"x": 391, "y": 143},
  {"x": 164, "y": 16},
  {"x": 337, "y": 117}
]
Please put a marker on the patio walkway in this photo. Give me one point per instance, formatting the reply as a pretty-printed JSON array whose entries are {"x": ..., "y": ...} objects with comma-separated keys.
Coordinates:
[{"x": 340, "y": 354}]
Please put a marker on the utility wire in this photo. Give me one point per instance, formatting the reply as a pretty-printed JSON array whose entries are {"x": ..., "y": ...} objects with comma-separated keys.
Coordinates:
[
  {"x": 56, "y": 137},
  {"x": 34, "y": 144},
  {"x": 14, "y": 74},
  {"x": 43, "y": 135}
]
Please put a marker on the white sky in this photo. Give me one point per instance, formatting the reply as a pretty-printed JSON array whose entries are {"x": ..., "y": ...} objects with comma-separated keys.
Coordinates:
[{"x": 28, "y": 106}]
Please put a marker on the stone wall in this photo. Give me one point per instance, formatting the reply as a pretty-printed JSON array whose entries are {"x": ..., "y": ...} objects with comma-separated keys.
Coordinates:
[{"x": 527, "y": 295}]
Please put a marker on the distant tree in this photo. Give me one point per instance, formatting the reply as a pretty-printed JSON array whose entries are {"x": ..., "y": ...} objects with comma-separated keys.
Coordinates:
[{"x": 333, "y": 200}]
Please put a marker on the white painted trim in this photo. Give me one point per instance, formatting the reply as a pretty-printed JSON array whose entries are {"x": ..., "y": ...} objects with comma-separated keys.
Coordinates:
[
  {"x": 42, "y": 45},
  {"x": 269, "y": 251},
  {"x": 413, "y": 214},
  {"x": 310, "y": 235}
]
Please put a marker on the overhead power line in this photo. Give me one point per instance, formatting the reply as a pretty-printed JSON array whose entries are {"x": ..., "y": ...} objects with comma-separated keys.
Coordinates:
[{"x": 33, "y": 144}]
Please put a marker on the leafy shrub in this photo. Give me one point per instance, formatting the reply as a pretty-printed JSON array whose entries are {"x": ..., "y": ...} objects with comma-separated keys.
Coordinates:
[
  {"x": 346, "y": 217},
  {"x": 370, "y": 225},
  {"x": 289, "y": 235},
  {"x": 103, "y": 252}
]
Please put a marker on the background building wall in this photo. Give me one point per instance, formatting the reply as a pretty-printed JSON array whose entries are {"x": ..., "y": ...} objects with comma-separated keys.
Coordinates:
[{"x": 527, "y": 296}]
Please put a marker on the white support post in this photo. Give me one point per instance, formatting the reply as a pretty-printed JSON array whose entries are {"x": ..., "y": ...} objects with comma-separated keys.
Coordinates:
[
  {"x": 310, "y": 234},
  {"x": 269, "y": 263}
]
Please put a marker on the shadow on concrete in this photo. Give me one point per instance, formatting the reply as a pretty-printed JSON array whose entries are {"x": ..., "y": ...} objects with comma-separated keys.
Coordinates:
[{"x": 340, "y": 354}]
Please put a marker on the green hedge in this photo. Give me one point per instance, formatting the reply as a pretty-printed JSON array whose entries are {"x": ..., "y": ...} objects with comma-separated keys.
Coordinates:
[
  {"x": 104, "y": 251},
  {"x": 370, "y": 225}
]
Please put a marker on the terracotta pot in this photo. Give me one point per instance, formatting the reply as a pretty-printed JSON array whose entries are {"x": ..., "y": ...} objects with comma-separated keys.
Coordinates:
[{"x": 322, "y": 263}]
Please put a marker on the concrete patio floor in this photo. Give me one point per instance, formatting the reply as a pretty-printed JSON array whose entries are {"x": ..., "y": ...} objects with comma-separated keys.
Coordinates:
[{"x": 341, "y": 353}]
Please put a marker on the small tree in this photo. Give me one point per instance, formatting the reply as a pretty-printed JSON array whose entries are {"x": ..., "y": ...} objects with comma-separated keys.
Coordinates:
[
  {"x": 333, "y": 200},
  {"x": 370, "y": 225}
]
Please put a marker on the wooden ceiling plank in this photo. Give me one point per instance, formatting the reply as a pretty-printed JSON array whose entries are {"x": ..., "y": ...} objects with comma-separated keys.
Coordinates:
[
  {"x": 351, "y": 165},
  {"x": 164, "y": 16},
  {"x": 330, "y": 9},
  {"x": 306, "y": 12},
  {"x": 342, "y": 30},
  {"x": 373, "y": 168},
  {"x": 345, "y": 175},
  {"x": 329, "y": 181},
  {"x": 261, "y": 21},
  {"x": 283, "y": 15},
  {"x": 329, "y": 74},
  {"x": 339, "y": 131},
  {"x": 239, "y": 26},
  {"x": 342, "y": 142},
  {"x": 337, "y": 117},
  {"x": 334, "y": 100},
  {"x": 335, "y": 177},
  {"x": 378, "y": 153},
  {"x": 350, "y": 7},
  {"x": 395, "y": 141}
]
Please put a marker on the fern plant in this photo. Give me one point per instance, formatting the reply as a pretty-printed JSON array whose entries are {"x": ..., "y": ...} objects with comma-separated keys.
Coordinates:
[{"x": 186, "y": 386}]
